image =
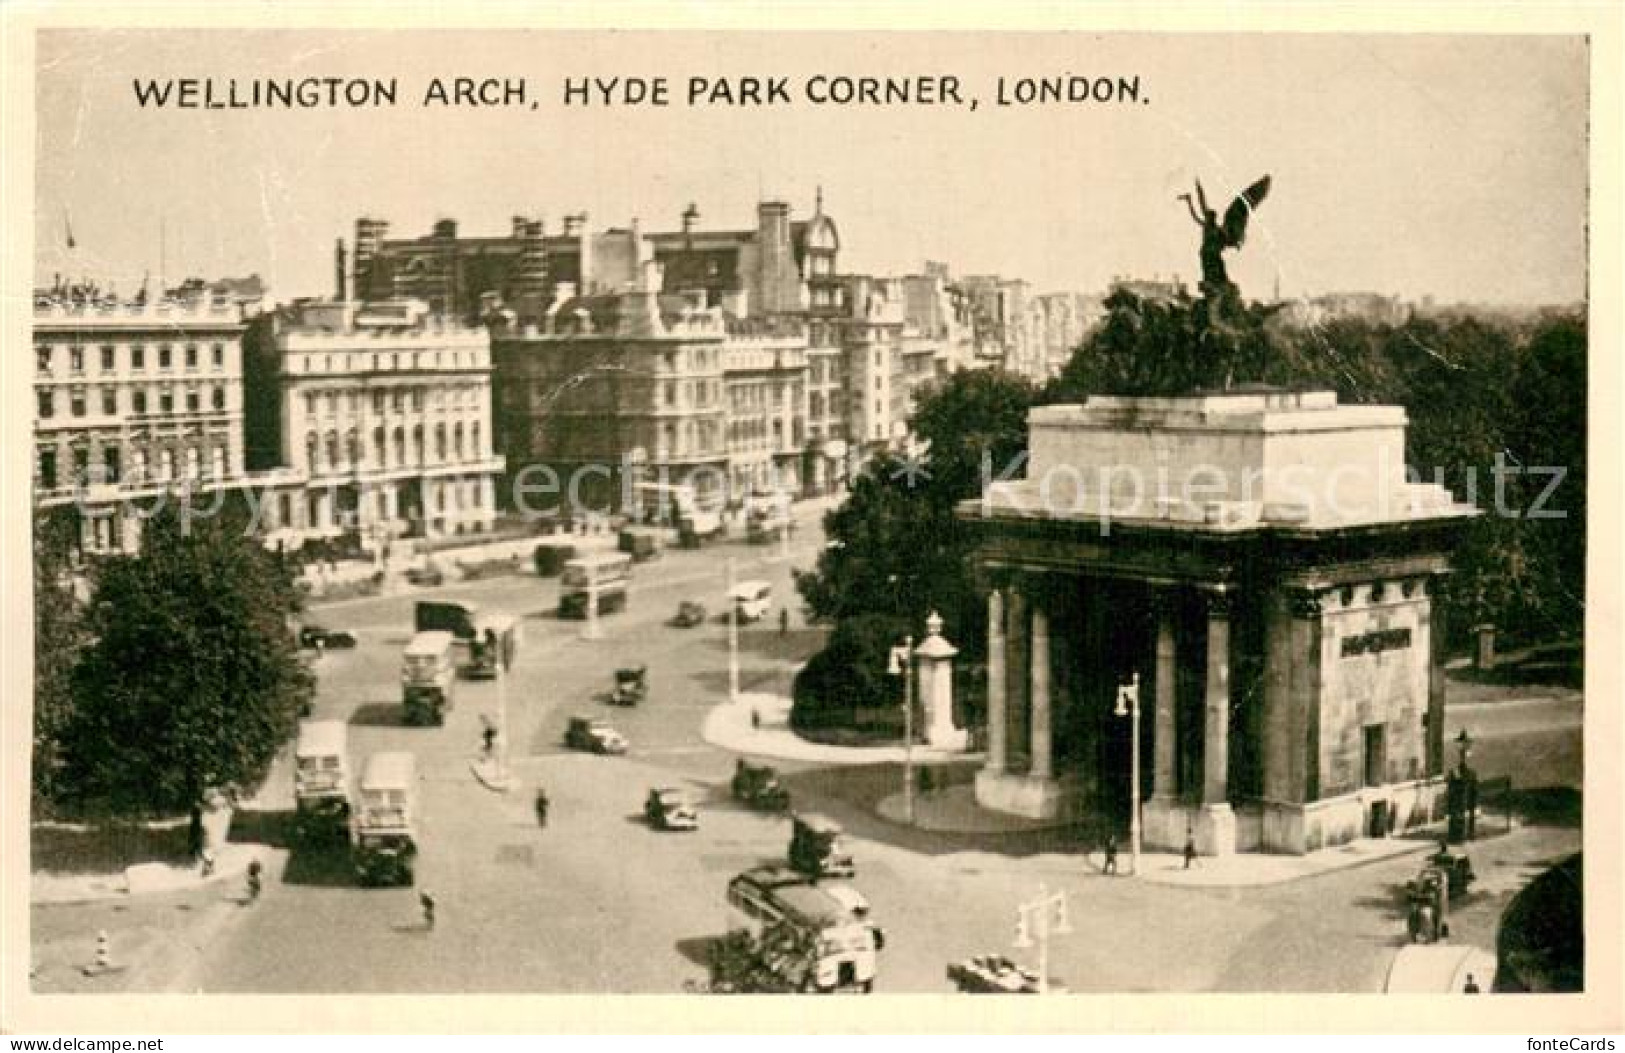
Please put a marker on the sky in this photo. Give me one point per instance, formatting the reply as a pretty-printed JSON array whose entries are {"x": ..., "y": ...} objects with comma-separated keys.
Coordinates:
[{"x": 1450, "y": 166}]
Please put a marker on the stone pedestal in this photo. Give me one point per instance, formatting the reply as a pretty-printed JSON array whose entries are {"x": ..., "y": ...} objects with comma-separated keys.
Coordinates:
[
  {"x": 1020, "y": 794},
  {"x": 1215, "y": 830},
  {"x": 934, "y": 660},
  {"x": 1163, "y": 822}
]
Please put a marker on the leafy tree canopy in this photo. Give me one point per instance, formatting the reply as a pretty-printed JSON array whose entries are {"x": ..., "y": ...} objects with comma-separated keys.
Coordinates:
[{"x": 193, "y": 681}]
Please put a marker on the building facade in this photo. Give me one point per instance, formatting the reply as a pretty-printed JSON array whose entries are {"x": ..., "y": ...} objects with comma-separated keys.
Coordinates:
[
  {"x": 384, "y": 413},
  {"x": 132, "y": 399},
  {"x": 643, "y": 387}
]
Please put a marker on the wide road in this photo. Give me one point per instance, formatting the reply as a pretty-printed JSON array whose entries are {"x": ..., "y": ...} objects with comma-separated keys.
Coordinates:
[{"x": 600, "y": 903}]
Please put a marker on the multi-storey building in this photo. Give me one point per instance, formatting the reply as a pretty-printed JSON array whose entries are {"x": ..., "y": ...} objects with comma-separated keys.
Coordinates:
[
  {"x": 383, "y": 410},
  {"x": 643, "y": 386},
  {"x": 613, "y": 390},
  {"x": 132, "y": 399},
  {"x": 779, "y": 267},
  {"x": 764, "y": 368},
  {"x": 877, "y": 390},
  {"x": 1058, "y": 323}
]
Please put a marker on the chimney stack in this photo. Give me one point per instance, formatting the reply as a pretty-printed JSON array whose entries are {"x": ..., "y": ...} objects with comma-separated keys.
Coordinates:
[{"x": 341, "y": 291}]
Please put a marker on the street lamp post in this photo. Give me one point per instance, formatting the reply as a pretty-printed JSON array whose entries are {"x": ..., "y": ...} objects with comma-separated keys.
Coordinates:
[
  {"x": 902, "y": 661},
  {"x": 733, "y": 635},
  {"x": 502, "y": 720},
  {"x": 592, "y": 631},
  {"x": 1128, "y": 705},
  {"x": 1036, "y": 921}
]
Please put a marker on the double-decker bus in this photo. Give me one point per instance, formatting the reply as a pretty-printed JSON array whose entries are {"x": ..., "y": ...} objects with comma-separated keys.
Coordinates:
[
  {"x": 321, "y": 780},
  {"x": 384, "y": 845},
  {"x": 815, "y": 937},
  {"x": 601, "y": 578}
]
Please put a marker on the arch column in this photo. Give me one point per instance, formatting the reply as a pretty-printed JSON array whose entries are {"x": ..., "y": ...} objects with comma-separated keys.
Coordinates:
[
  {"x": 1042, "y": 767},
  {"x": 998, "y": 717},
  {"x": 1215, "y": 827}
]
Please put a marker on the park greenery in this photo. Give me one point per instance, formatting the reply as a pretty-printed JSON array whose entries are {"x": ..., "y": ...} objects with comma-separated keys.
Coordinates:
[
  {"x": 176, "y": 679},
  {"x": 1497, "y": 413}
]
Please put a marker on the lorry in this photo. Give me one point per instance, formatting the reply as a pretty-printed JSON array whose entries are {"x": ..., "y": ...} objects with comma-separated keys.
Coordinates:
[
  {"x": 428, "y": 677},
  {"x": 598, "y": 580},
  {"x": 384, "y": 838},
  {"x": 494, "y": 648}
]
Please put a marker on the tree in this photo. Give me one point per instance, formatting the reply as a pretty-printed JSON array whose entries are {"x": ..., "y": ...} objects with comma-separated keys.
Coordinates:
[
  {"x": 1167, "y": 347},
  {"x": 193, "y": 681},
  {"x": 59, "y": 638},
  {"x": 897, "y": 549}
]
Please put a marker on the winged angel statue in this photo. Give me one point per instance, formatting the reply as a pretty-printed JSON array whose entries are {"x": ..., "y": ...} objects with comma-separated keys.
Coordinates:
[{"x": 1219, "y": 236}]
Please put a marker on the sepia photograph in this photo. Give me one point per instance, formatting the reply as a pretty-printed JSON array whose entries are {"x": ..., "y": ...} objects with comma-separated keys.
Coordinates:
[{"x": 694, "y": 511}]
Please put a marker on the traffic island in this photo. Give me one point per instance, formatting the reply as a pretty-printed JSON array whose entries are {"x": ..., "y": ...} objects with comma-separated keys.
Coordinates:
[{"x": 758, "y": 724}]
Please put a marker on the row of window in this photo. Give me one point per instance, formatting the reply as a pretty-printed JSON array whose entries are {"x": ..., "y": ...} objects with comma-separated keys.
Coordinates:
[
  {"x": 692, "y": 437},
  {"x": 399, "y": 399},
  {"x": 107, "y": 355},
  {"x": 335, "y": 452},
  {"x": 352, "y": 363},
  {"x": 160, "y": 465},
  {"x": 139, "y": 401}
]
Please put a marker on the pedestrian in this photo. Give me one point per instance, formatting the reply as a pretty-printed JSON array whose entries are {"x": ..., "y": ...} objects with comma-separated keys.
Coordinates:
[
  {"x": 1471, "y": 987},
  {"x": 755, "y": 719},
  {"x": 784, "y": 621},
  {"x": 254, "y": 869},
  {"x": 489, "y": 733},
  {"x": 426, "y": 901},
  {"x": 541, "y": 807},
  {"x": 1190, "y": 848},
  {"x": 1110, "y": 865},
  {"x": 206, "y": 863}
]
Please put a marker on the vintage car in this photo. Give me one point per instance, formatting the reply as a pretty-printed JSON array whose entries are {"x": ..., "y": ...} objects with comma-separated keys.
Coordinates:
[
  {"x": 668, "y": 808},
  {"x": 427, "y": 575},
  {"x": 631, "y": 685},
  {"x": 1427, "y": 902},
  {"x": 327, "y": 639},
  {"x": 689, "y": 614},
  {"x": 758, "y": 786},
  {"x": 1458, "y": 870},
  {"x": 593, "y": 736},
  {"x": 996, "y": 974},
  {"x": 641, "y": 543},
  {"x": 817, "y": 848}
]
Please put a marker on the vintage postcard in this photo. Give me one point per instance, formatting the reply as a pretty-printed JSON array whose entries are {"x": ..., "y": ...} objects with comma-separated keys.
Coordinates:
[{"x": 536, "y": 503}]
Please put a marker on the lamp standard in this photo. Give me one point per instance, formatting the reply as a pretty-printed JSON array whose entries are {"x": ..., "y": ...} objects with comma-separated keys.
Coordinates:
[
  {"x": 592, "y": 630},
  {"x": 1128, "y": 705},
  {"x": 902, "y": 663},
  {"x": 733, "y": 634},
  {"x": 1464, "y": 743},
  {"x": 1036, "y": 921}
]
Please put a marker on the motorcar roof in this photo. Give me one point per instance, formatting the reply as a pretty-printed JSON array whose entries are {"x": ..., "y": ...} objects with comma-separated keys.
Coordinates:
[
  {"x": 750, "y": 590},
  {"x": 429, "y": 645}
]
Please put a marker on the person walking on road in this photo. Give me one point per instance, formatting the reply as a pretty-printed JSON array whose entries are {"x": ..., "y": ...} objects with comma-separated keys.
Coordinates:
[
  {"x": 254, "y": 870},
  {"x": 426, "y": 901},
  {"x": 1110, "y": 865},
  {"x": 541, "y": 807},
  {"x": 1190, "y": 848},
  {"x": 784, "y": 621}
]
